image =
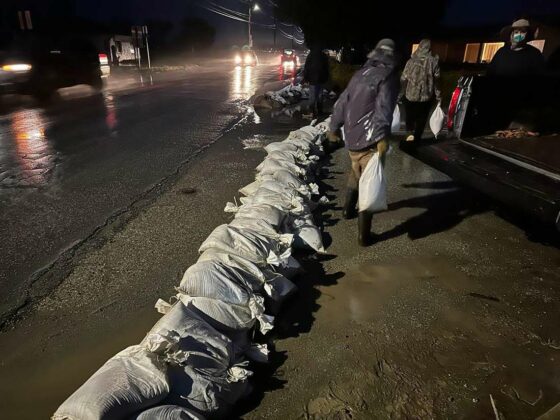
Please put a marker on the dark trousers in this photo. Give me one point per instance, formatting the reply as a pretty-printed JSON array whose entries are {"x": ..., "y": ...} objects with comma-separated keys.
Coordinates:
[
  {"x": 417, "y": 114},
  {"x": 316, "y": 99}
]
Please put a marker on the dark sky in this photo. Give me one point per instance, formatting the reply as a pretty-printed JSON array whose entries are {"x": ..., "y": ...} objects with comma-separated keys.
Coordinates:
[
  {"x": 482, "y": 12},
  {"x": 229, "y": 32},
  {"x": 460, "y": 13}
]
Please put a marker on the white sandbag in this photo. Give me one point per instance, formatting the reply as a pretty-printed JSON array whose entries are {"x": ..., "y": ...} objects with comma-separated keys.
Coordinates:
[
  {"x": 288, "y": 156},
  {"x": 182, "y": 336},
  {"x": 437, "y": 120},
  {"x": 284, "y": 147},
  {"x": 214, "y": 280},
  {"x": 291, "y": 269},
  {"x": 270, "y": 214},
  {"x": 282, "y": 188},
  {"x": 284, "y": 177},
  {"x": 257, "y": 248},
  {"x": 286, "y": 202},
  {"x": 169, "y": 412},
  {"x": 132, "y": 380},
  {"x": 275, "y": 285},
  {"x": 306, "y": 234},
  {"x": 256, "y": 225},
  {"x": 396, "y": 123},
  {"x": 207, "y": 392},
  {"x": 250, "y": 189},
  {"x": 373, "y": 187},
  {"x": 270, "y": 166},
  {"x": 233, "y": 320}
]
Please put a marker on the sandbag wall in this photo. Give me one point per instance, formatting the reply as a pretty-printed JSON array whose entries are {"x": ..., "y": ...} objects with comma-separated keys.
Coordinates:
[{"x": 194, "y": 363}]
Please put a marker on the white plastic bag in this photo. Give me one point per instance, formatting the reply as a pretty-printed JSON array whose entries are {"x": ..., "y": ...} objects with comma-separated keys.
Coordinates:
[
  {"x": 132, "y": 380},
  {"x": 396, "y": 124},
  {"x": 373, "y": 187},
  {"x": 437, "y": 120}
]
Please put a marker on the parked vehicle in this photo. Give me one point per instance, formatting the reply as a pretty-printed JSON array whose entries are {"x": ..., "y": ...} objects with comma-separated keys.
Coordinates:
[
  {"x": 506, "y": 141},
  {"x": 39, "y": 67}
]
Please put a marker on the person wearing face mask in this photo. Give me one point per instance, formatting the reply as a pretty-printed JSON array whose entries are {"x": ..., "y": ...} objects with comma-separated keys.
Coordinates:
[{"x": 518, "y": 58}]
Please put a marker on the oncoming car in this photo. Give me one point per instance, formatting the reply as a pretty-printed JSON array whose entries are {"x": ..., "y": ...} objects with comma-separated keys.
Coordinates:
[{"x": 246, "y": 58}]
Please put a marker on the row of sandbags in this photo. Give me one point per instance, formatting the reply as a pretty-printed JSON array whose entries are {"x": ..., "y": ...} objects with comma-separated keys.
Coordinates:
[{"x": 193, "y": 363}]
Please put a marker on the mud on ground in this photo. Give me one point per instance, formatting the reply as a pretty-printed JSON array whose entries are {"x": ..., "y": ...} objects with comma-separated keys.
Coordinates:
[{"x": 451, "y": 306}]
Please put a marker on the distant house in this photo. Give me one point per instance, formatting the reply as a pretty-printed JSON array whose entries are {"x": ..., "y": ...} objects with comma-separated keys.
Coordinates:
[{"x": 478, "y": 46}]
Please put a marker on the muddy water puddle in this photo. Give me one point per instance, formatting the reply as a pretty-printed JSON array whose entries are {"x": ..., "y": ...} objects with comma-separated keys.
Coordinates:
[
  {"x": 39, "y": 371},
  {"x": 450, "y": 341}
]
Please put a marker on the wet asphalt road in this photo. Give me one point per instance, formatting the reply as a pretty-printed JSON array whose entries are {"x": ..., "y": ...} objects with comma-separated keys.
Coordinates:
[{"x": 67, "y": 168}]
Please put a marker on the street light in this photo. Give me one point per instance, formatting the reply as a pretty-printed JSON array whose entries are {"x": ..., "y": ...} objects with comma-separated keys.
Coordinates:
[{"x": 252, "y": 7}]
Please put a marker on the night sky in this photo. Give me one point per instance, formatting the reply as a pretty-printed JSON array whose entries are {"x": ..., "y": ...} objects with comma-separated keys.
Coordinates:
[{"x": 460, "y": 13}]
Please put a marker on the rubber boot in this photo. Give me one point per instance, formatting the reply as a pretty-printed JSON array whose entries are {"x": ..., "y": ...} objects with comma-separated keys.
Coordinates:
[
  {"x": 349, "y": 210},
  {"x": 365, "y": 238}
]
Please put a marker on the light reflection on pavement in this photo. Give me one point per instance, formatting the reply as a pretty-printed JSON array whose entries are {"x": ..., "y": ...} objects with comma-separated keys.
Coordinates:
[
  {"x": 27, "y": 159},
  {"x": 243, "y": 86}
]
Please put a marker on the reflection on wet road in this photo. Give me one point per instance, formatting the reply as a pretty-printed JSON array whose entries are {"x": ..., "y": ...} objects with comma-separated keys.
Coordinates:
[
  {"x": 243, "y": 85},
  {"x": 26, "y": 157},
  {"x": 67, "y": 167}
]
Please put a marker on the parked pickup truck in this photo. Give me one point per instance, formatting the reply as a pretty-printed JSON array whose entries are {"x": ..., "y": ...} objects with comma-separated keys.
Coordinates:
[{"x": 504, "y": 140}]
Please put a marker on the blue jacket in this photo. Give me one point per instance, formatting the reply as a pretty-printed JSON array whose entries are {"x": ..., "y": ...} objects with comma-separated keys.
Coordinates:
[{"x": 365, "y": 109}]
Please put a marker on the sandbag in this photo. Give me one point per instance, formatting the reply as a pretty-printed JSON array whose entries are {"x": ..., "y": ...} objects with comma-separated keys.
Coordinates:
[
  {"x": 232, "y": 320},
  {"x": 270, "y": 214},
  {"x": 437, "y": 120},
  {"x": 214, "y": 280},
  {"x": 256, "y": 225},
  {"x": 169, "y": 412},
  {"x": 275, "y": 285},
  {"x": 183, "y": 336},
  {"x": 270, "y": 166},
  {"x": 250, "y": 189},
  {"x": 283, "y": 201},
  {"x": 284, "y": 147},
  {"x": 284, "y": 177},
  {"x": 306, "y": 234},
  {"x": 373, "y": 187},
  {"x": 132, "y": 380},
  {"x": 257, "y": 248},
  {"x": 207, "y": 392}
]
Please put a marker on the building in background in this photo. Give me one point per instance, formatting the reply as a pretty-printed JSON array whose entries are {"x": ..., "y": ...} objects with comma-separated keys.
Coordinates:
[{"x": 479, "y": 45}]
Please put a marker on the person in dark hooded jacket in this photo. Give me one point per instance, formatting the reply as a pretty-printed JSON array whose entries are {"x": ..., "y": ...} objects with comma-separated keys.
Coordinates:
[
  {"x": 316, "y": 73},
  {"x": 364, "y": 113}
]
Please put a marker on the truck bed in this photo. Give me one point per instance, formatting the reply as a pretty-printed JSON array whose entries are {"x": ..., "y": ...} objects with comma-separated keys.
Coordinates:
[
  {"x": 541, "y": 154},
  {"x": 501, "y": 180}
]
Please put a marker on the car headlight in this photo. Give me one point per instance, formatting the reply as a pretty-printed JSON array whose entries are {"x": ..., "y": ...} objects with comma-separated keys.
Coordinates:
[
  {"x": 16, "y": 68},
  {"x": 237, "y": 59},
  {"x": 248, "y": 59}
]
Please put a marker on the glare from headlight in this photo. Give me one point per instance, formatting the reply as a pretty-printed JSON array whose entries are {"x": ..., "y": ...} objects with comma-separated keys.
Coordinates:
[
  {"x": 237, "y": 59},
  {"x": 248, "y": 59},
  {"x": 16, "y": 68}
]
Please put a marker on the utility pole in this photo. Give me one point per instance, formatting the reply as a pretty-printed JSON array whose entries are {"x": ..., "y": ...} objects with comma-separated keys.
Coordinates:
[
  {"x": 253, "y": 7},
  {"x": 250, "y": 25}
]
